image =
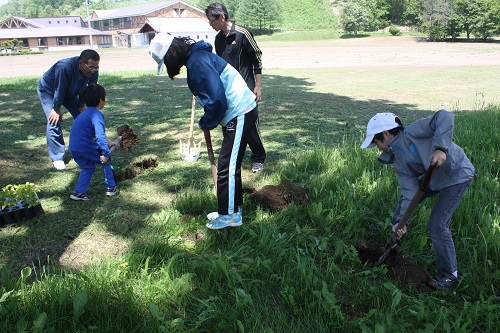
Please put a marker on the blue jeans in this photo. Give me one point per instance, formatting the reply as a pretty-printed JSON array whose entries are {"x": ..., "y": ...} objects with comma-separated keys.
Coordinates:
[
  {"x": 55, "y": 139},
  {"x": 439, "y": 223},
  {"x": 87, "y": 163}
]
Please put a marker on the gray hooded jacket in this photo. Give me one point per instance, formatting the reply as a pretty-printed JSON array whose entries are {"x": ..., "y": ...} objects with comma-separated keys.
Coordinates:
[{"x": 410, "y": 152}]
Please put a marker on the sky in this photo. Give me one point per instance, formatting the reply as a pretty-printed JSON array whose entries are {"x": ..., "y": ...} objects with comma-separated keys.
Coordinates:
[{"x": 3, "y": 2}]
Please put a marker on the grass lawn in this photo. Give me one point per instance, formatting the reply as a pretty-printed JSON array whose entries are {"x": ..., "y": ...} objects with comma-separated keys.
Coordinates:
[{"x": 144, "y": 261}]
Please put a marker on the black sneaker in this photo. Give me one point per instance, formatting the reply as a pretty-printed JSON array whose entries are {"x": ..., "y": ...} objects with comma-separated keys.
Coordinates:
[
  {"x": 111, "y": 191},
  {"x": 445, "y": 281},
  {"x": 80, "y": 196}
]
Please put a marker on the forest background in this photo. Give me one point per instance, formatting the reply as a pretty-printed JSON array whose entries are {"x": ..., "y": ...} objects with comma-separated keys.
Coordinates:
[{"x": 439, "y": 19}]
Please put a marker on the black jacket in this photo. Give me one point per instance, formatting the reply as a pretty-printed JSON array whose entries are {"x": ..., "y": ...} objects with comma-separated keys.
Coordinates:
[{"x": 240, "y": 50}]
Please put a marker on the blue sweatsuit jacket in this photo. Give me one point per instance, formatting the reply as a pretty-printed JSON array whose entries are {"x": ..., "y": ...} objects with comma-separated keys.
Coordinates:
[
  {"x": 88, "y": 133},
  {"x": 217, "y": 86},
  {"x": 64, "y": 80}
]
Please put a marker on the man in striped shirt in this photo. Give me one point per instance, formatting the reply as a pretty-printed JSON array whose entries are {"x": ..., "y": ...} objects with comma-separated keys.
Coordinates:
[{"x": 238, "y": 47}]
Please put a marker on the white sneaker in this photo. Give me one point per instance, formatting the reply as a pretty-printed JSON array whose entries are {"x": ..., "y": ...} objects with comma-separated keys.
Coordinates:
[{"x": 59, "y": 165}]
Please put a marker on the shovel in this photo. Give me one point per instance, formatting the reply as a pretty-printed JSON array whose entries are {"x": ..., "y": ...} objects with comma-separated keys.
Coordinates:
[
  {"x": 210, "y": 151},
  {"x": 190, "y": 150},
  {"x": 393, "y": 240}
]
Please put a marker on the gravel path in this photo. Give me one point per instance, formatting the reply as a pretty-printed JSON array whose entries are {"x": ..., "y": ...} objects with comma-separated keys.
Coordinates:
[{"x": 385, "y": 51}]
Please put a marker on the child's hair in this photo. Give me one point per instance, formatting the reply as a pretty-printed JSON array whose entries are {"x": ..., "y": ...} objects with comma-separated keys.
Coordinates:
[
  {"x": 394, "y": 131},
  {"x": 176, "y": 55},
  {"x": 93, "y": 94}
]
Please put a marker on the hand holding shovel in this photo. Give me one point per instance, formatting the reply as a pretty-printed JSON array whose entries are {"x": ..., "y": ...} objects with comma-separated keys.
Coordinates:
[{"x": 400, "y": 227}]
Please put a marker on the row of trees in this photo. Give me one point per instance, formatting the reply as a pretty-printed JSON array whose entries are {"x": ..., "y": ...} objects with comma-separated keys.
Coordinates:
[{"x": 440, "y": 19}]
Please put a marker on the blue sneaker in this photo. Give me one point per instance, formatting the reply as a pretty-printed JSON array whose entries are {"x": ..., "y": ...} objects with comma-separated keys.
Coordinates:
[{"x": 222, "y": 221}]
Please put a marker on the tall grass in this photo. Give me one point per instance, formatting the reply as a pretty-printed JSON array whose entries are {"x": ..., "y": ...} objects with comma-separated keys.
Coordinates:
[{"x": 292, "y": 271}]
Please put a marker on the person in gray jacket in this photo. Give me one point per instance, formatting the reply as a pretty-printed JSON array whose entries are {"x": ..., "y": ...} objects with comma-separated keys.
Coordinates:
[{"x": 412, "y": 150}]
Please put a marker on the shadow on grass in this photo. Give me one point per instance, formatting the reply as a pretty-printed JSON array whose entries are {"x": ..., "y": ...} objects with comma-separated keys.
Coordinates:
[{"x": 293, "y": 119}]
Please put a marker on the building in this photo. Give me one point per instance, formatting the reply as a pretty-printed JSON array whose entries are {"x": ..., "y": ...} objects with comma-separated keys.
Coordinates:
[
  {"x": 52, "y": 33},
  {"x": 121, "y": 27},
  {"x": 136, "y": 26}
]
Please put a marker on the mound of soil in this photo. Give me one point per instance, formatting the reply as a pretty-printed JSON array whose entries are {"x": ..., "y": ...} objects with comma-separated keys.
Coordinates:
[
  {"x": 400, "y": 269},
  {"x": 277, "y": 197},
  {"x": 129, "y": 139},
  {"x": 137, "y": 168}
]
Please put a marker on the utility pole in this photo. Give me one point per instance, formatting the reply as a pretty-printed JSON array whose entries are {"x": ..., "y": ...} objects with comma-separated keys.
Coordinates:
[{"x": 87, "y": 3}]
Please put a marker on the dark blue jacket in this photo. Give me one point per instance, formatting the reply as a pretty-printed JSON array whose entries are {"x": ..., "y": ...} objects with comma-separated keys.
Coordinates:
[{"x": 65, "y": 81}]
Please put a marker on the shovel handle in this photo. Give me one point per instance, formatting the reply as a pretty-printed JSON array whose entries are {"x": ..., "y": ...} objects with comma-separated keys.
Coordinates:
[
  {"x": 414, "y": 202},
  {"x": 117, "y": 143},
  {"x": 208, "y": 142},
  {"x": 191, "y": 125}
]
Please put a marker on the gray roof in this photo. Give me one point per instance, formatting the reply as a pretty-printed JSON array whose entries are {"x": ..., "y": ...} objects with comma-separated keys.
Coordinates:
[
  {"x": 49, "y": 32},
  {"x": 51, "y": 27},
  {"x": 136, "y": 10}
]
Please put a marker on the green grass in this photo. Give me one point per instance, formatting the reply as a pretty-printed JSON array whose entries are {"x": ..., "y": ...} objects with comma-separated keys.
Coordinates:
[{"x": 144, "y": 261}]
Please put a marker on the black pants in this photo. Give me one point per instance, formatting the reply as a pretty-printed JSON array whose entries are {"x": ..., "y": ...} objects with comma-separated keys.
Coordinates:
[
  {"x": 232, "y": 152},
  {"x": 255, "y": 143}
]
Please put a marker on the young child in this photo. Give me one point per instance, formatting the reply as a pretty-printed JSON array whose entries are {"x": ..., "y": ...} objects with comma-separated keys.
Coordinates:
[
  {"x": 411, "y": 150},
  {"x": 89, "y": 145},
  {"x": 227, "y": 101}
]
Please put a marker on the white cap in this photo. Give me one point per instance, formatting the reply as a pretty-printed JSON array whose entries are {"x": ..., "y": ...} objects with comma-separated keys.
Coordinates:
[
  {"x": 379, "y": 123},
  {"x": 159, "y": 47}
]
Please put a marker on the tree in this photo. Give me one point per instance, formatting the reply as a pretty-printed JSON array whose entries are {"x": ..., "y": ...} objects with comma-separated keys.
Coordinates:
[
  {"x": 436, "y": 13},
  {"x": 261, "y": 16},
  {"x": 487, "y": 21},
  {"x": 353, "y": 17},
  {"x": 360, "y": 16}
]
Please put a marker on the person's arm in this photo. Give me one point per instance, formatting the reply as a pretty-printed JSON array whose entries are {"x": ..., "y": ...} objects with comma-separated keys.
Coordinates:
[
  {"x": 205, "y": 83},
  {"x": 100, "y": 134},
  {"x": 258, "y": 90},
  {"x": 61, "y": 81},
  {"x": 254, "y": 53},
  {"x": 440, "y": 128}
]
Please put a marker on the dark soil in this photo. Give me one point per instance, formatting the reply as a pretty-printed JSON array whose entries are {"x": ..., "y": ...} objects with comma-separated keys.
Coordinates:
[
  {"x": 400, "y": 269},
  {"x": 277, "y": 197},
  {"x": 137, "y": 168},
  {"x": 129, "y": 138}
]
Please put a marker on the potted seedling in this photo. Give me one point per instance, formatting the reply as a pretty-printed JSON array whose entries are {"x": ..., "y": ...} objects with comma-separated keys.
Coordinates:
[
  {"x": 20, "y": 201},
  {"x": 28, "y": 198}
]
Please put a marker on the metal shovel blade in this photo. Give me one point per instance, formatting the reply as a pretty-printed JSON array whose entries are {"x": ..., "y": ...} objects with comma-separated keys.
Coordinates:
[
  {"x": 388, "y": 248},
  {"x": 190, "y": 150}
]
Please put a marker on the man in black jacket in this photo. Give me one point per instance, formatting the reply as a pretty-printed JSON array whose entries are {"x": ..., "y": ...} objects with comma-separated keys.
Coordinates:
[{"x": 238, "y": 47}]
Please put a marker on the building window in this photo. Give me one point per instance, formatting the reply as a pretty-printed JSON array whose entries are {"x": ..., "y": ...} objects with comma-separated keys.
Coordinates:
[
  {"x": 80, "y": 40},
  {"x": 105, "y": 40},
  {"x": 69, "y": 40},
  {"x": 60, "y": 41},
  {"x": 179, "y": 11},
  {"x": 42, "y": 41}
]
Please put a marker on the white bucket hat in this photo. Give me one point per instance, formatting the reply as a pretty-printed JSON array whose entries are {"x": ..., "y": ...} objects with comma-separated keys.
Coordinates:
[
  {"x": 379, "y": 123},
  {"x": 159, "y": 47}
]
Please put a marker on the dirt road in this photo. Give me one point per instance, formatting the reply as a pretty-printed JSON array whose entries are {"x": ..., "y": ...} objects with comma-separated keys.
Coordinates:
[{"x": 385, "y": 51}]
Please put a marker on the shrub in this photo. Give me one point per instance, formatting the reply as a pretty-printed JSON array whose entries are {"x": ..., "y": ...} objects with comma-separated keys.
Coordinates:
[{"x": 394, "y": 30}]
